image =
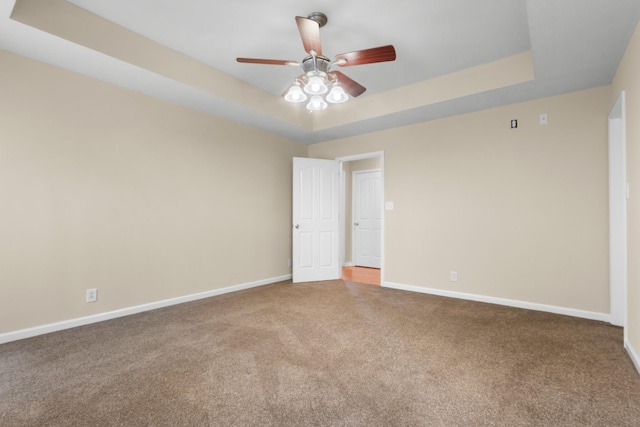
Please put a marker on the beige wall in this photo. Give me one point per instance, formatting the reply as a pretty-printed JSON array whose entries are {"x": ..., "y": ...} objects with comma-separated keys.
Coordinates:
[
  {"x": 519, "y": 213},
  {"x": 349, "y": 168},
  {"x": 628, "y": 79},
  {"x": 103, "y": 187}
]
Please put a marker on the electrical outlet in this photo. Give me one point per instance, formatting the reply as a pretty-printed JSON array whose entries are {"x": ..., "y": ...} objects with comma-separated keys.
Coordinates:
[
  {"x": 92, "y": 295},
  {"x": 289, "y": 262},
  {"x": 453, "y": 276}
]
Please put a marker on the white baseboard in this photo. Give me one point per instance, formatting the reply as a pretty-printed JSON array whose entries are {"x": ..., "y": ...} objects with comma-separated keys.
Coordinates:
[
  {"x": 72, "y": 323},
  {"x": 633, "y": 355},
  {"x": 348, "y": 264},
  {"x": 604, "y": 317}
]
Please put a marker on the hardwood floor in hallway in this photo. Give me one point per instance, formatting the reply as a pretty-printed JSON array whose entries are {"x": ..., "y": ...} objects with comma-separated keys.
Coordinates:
[{"x": 368, "y": 276}]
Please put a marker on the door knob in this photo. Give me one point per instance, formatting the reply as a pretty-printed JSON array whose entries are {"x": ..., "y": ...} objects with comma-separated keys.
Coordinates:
[
  {"x": 356, "y": 224},
  {"x": 297, "y": 226}
]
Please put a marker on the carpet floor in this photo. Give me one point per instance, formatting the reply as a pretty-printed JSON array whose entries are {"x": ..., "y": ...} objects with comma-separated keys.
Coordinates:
[{"x": 327, "y": 354}]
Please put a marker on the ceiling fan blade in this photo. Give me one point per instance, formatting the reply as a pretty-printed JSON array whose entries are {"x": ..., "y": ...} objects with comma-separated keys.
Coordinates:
[
  {"x": 352, "y": 87},
  {"x": 310, "y": 34},
  {"x": 266, "y": 61},
  {"x": 367, "y": 56}
]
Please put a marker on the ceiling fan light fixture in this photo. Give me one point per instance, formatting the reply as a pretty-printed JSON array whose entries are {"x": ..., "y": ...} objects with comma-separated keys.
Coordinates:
[
  {"x": 337, "y": 95},
  {"x": 316, "y": 86},
  {"x": 317, "y": 77},
  {"x": 316, "y": 103},
  {"x": 295, "y": 94}
]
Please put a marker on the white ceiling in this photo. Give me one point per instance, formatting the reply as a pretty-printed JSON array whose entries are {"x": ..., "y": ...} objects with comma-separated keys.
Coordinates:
[
  {"x": 218, "y": 32},
  {"x": 575, "y": 44}
]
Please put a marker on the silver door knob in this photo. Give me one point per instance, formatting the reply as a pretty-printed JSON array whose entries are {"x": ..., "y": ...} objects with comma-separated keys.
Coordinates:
[
  {"x": 297, "y": 226},
  {"x": 356, "y": 224}
]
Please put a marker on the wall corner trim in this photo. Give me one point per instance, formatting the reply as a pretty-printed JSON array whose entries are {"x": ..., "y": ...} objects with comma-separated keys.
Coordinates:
[
  {"x": 603, "y": 317},
  {"x": 100, "y": 317}
]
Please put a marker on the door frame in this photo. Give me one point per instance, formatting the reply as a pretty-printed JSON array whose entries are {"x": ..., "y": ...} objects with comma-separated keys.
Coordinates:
[
  {"x": 618, "y": 195},
  {"x": 353, "y": 207},
  {"x": 351, "y": 158}
]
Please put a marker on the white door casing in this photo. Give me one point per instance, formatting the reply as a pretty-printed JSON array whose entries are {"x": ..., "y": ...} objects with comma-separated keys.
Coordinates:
[
  {"x": 316, "y": 187},
  {"x": 618, "y": 213},
  {"x": 367, "y": 218}
]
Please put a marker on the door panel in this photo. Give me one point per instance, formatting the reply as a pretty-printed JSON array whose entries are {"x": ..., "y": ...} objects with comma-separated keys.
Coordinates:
[
  {"x": 315, "y": 218},
  {"x": 367, "y": 218}
]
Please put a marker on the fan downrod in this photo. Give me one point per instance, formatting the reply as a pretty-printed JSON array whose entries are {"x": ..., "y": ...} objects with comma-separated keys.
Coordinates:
[{"x": 319, "y": 17}]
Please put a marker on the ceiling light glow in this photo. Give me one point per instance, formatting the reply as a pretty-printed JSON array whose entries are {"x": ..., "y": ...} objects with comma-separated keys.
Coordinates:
[
  {"x": 295, "y": 94},
  {"x": 316, "y": 86},
  {"x": 316, "y": 103}
]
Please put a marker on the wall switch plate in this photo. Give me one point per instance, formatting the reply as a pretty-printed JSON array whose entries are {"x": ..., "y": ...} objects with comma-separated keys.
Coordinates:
[
  {"x": 543, "y": 119},
  {"x": 453, "y": 276},
  {"x": 92, "y": 295}
]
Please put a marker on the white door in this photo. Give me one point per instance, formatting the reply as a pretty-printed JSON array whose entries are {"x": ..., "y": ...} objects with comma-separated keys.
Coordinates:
[
  {"x": 367, "y": 218},
  {"x": 315, "y": 219}
]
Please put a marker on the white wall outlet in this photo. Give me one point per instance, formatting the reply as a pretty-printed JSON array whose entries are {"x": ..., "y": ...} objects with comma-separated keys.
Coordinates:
[
  {"x": 453, "y": 276},
  {"x": 92, "y": 295},
  {"x": 543, "y": 119},
  {"x": 388, "y": 206}
]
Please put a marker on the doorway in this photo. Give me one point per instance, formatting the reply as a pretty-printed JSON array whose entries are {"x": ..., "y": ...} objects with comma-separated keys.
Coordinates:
[{"x": 362, "y": 232}]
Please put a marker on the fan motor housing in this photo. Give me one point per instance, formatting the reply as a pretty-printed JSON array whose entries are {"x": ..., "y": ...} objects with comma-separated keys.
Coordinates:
[{"x": 320, "y": 64}]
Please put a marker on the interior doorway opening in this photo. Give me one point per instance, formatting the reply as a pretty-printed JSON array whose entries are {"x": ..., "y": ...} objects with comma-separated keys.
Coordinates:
[{"x": 362, "y": 237}]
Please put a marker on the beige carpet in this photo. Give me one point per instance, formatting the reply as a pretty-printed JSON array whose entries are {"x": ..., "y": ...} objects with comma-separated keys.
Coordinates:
[{"x": 327, "y": 353}]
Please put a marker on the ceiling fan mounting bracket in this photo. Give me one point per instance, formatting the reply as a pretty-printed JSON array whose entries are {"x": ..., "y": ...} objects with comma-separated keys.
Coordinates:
[{"x": 319, "y": 17}]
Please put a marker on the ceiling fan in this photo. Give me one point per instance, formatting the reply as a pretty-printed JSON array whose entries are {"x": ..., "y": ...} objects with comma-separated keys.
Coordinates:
[{"x": 319, "y": 78}]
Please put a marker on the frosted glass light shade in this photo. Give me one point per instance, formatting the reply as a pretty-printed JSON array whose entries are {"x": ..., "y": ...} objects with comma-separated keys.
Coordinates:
[
  {"x": 295, "y": 94},
  {"x": 316, "y": 103},
  {"x": 337, "y": 95},
  {"x": 315, "y": 86}
]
